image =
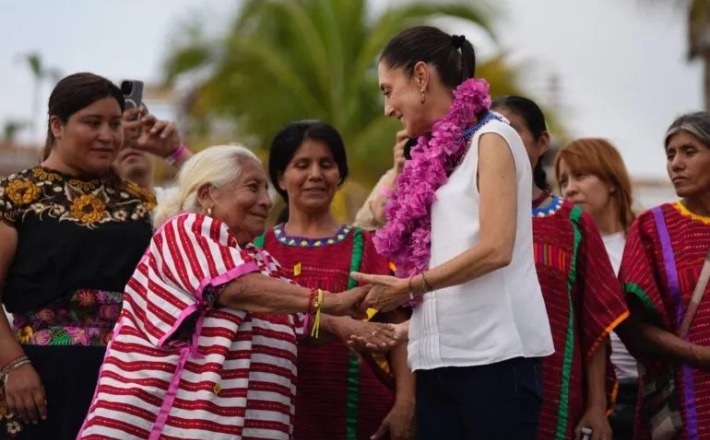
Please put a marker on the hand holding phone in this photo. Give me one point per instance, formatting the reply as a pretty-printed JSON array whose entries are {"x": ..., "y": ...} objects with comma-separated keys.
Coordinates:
[{"x": 132, "y": 93}]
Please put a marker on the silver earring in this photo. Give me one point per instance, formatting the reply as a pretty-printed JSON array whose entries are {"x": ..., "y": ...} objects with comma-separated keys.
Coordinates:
[{"x": 209, "y": 212}]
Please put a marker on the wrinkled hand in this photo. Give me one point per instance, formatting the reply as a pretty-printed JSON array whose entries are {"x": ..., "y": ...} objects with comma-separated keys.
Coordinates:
[
  {"x": 24, "y": 394},
  {"x": 346, "y": 303},
  {"x": 399, "y": 423},
  {"x": 595, "y": 419},
  {"x": 348, "y": 329},
  {"x": 387, "y": 292},
  {"x": 382, "y": 340},
  {"x": 161, "y": 138}
]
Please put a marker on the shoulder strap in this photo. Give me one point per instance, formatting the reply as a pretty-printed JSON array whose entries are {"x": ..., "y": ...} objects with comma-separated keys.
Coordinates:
[
  {"x": 669, "y": 262},
  {"x": 698, "y": 294},
  {"x": 356, "y": 258}
]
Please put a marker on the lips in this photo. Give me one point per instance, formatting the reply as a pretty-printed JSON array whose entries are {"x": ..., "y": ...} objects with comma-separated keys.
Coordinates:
[{"x": 103, "y": 150}]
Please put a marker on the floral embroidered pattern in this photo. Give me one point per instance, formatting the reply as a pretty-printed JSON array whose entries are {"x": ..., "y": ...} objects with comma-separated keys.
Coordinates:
[
  {"x": 88, "y": 203},
  {"x": 88, "y": 209},
  {"x": 22, "y": 192},
  {"x": 85, "y": 318},
  {"x": 10, "y": 426}
]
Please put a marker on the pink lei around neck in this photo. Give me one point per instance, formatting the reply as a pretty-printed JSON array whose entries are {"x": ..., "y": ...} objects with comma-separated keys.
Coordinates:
[{"x": 406, "y": 237}]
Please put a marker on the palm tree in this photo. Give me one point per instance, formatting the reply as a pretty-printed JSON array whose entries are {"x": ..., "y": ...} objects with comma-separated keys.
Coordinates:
[
  {"x": 284, "y": 60},
  {"x": 10, "y": 129},
  {"x": 40, "y": 73}
]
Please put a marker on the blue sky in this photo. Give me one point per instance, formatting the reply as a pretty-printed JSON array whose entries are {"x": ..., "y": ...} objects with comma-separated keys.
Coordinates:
[{"x": 621, "y": 64}]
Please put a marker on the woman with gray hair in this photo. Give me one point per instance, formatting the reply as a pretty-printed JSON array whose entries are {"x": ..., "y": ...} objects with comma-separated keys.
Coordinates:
[
  {"x": 664, "y": 273},
  {"x": 205, "y": 346}
]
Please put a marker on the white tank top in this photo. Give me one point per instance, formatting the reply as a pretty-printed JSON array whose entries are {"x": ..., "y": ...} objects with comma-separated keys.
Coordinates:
[{"x": 500, "y": 315}]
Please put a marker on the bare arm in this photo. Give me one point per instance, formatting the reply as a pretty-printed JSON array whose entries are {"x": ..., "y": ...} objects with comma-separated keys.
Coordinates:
[
  {"x": 398, "y": 359},
  {"x": 24, "y": 393},
  {"x": 255, "y": 293},
  {"x": 9, "y": 348},
  {"x": 594, "y": 416},
  {"x": 498, "y": 190},
  {"x": 596, "y": 379}
]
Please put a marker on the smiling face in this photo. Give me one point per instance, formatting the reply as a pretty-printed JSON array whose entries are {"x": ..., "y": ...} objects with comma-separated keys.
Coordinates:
[
  {"x": 90, "y": 139},
  {"x": 311, "y": 178},
  {"x": 403, "y": 99},
  {"x": 688, "y": 165},
  {"x": 243, "y": 205}
]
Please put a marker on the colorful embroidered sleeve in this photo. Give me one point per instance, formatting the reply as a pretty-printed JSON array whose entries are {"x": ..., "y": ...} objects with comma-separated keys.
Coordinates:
[
  {"x": 604, "y": 306},
  {"x": 186, "y": 255},
  {"x": 640, "y": 272}
]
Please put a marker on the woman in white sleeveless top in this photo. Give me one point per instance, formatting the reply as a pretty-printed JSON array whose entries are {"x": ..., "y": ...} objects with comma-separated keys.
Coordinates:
[{"x": 460, "y": 233}]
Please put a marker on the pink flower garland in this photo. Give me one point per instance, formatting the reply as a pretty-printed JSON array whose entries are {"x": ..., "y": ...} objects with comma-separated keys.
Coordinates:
[{"x": 406, "y": 237}]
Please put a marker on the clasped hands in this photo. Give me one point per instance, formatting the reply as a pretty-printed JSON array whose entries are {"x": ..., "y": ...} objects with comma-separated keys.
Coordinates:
[{"x": 385, "y": 294}]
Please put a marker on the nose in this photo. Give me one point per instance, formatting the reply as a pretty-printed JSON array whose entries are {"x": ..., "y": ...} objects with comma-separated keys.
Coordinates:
[
  {"x": 570, "y": 189},
  {"x": 105, "y": 134},
  {"x": 677, "y": 163},
  {"x": 389, "y": 111},
  {"x": 265, "y": 200},
  {"x": 315, "y": 172}
]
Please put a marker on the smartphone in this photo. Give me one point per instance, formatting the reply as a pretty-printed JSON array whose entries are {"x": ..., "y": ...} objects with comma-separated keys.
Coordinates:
[
  {"x": 411, "y": 142},
  {"x": 132, "y": 92}
]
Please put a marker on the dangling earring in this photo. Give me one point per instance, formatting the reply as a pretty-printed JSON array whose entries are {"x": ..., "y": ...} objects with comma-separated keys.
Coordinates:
[
  {"x": 209, "y": 212},
  {"x": 423, "y": 97}
]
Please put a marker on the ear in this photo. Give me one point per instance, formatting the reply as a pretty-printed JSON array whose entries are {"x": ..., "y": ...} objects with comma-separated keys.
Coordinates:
[
  {"x": 204, "y": 196},
  {"x": 280, "y": 181},
  {"x": 57, "y": 126},
  {"x": 543, "y": 143},
  {"x": 421, "y": 75}
]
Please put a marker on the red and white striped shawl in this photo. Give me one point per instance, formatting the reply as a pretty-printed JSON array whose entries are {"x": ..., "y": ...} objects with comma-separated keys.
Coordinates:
[{"x": 233, "y": 377}]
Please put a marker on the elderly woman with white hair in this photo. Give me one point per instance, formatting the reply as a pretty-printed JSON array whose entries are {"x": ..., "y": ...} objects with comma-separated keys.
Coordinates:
[{"x": 206, "y": 343}]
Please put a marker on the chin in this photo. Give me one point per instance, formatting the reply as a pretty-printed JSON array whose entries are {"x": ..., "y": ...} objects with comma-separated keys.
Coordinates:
[
  {"x": 683, "y": 191},
  {"x": 99, "y": 166}
]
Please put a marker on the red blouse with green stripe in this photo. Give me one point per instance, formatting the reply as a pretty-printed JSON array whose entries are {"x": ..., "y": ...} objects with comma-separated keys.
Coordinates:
[
  {"x": 584, "y": 303},
  {"x": 337, "y": 397},
  {"x": 681, "y": 242}
]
